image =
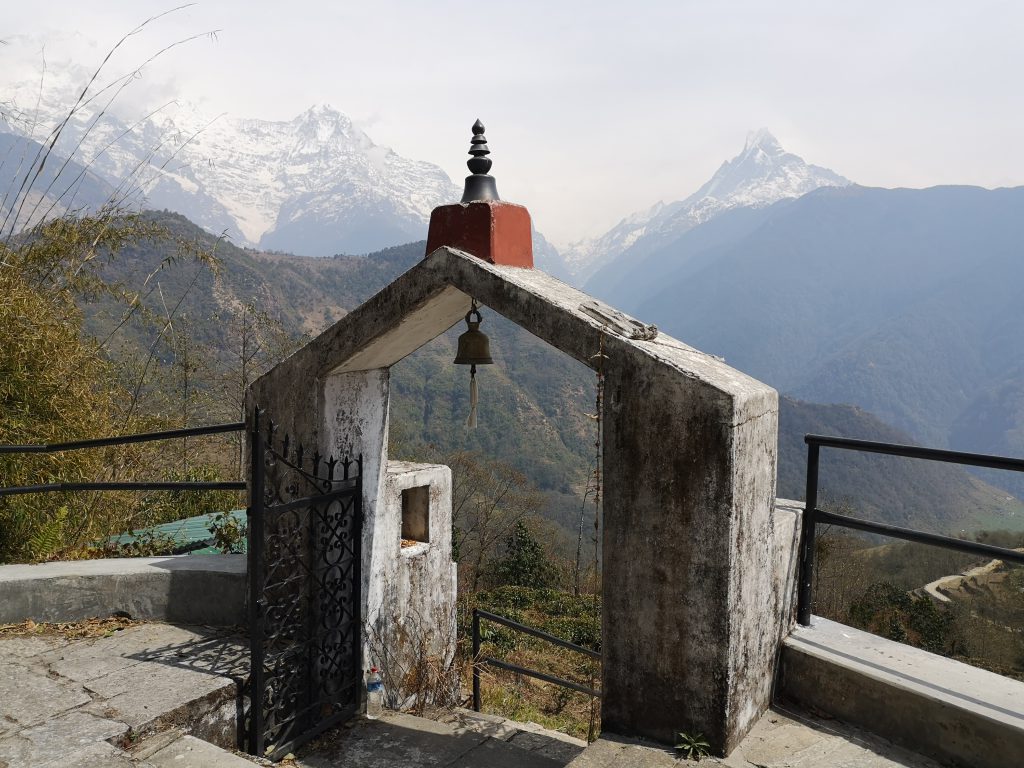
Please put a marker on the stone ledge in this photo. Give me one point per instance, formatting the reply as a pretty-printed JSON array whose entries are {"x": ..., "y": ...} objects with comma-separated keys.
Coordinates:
[
  {"x": 936, "y": 706},
  {"x": 189, "y": 589}
]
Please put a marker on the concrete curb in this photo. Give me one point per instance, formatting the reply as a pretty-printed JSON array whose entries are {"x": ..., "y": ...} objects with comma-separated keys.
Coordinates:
[
  {"x": 185, "y": 589},
  {"x": 955, "y": 713}
]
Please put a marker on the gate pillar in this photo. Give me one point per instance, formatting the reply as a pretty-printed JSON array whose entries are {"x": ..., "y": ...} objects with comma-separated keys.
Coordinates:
[
  {"x": 354, "y": 421},
  {"x": 692, "y": 615}
]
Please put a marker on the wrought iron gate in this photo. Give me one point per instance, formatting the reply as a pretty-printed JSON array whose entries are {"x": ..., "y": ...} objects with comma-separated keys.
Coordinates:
[{"x": 305, "y": 629}]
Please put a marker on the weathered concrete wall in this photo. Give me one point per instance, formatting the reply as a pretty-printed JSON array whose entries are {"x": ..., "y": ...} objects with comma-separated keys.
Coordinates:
[
  {"x": 767, "y": 600},
  {"x": 411, "y": 617},
  {"x": 689, "y": 473},
  {"x": 344, "y": 413},
  {"x": 188, "y": 589},
  {"x": 785, "y": 560}
]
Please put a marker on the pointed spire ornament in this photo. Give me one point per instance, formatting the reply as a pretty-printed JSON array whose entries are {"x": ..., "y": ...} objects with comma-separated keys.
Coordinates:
[
  {"x": 474, "y": 349},
  {"x": 480, "y": 187}
]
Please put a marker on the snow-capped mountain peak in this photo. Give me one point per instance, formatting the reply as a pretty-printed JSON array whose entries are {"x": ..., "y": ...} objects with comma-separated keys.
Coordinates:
[
  {"x": 764, "y": 140},
  {"x": 315, "y": 184},
  {"x": 762, "y": 174}
]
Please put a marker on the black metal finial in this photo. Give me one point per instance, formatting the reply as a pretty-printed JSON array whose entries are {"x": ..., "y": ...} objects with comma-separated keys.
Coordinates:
[
  {"x": 479, "y": 163},
  {"x": 479, "y": 186}
]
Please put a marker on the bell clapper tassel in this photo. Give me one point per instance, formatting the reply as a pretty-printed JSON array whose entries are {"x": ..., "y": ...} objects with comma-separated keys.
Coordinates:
[{"x": 471, "y": 421}]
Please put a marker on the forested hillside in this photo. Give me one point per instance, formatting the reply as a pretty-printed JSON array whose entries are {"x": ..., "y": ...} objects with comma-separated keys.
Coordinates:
[
  {"x": 249, "y": 308},
  {"x": 534, "y": 400}
]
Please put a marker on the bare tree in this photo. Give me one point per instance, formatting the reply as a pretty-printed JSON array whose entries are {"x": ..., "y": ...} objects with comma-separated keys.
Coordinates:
[
  {"x": 254, "y": 342},
  {"x": 488, "y": 498}
]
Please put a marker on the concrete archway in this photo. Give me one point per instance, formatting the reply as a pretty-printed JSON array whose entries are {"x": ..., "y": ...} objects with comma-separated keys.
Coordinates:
[{"x": 694, "y": 607}]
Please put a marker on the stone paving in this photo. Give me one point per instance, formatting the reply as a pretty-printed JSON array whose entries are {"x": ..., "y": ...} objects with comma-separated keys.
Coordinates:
[
  {"x": 780, "y": 739},
  {"x": 461, "y": 739},
  {"x": 86, "y": 702},
  {"x": 162, "y": 696}
]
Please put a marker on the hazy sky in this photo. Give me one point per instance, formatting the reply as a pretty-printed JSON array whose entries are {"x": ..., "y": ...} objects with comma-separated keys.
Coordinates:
[{"x": 594, "y": 109}]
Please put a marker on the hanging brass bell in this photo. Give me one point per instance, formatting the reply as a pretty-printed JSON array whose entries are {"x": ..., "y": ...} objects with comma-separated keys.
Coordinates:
[{"x": 474, "y": 346}]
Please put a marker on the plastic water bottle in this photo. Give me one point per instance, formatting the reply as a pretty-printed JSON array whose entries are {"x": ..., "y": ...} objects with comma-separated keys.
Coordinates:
[{"x": 374, "y": 694}]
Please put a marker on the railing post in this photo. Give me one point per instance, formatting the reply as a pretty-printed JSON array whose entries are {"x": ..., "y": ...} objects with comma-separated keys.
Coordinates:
[
  {"x": 807, "y": 530},
  {"x": 476, "y": 661},
  {"x": 255, "y": 557}
]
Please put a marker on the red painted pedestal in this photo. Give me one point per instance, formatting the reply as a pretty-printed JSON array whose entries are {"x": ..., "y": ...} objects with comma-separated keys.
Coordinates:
[{"x": 494, "y": 231}]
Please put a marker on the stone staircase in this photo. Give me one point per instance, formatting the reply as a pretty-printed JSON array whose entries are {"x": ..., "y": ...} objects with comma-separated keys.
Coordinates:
[{"x": 124, "y": 698}]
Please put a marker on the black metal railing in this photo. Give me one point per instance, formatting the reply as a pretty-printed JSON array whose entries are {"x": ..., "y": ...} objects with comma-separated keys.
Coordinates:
[
  {"x": 479, "y": 660},
  {"x": 103, "y": 442},
  {"x": 814, "y": 516}
]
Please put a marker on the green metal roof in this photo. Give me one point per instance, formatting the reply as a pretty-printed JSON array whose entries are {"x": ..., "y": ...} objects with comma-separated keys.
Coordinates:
[{"x": 188, "y": 533}]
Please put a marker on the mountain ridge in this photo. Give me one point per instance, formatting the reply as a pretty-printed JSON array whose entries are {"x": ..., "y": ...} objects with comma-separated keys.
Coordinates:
[
  {"x": 250, "y": 178},
  {"x": 315, "y": 184}
]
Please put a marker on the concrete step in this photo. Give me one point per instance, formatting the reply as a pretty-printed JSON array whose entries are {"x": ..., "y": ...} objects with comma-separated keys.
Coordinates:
[
  {"x": 156, "y": 676},
  {"x": 529, "y": 736},
  {"x": 151, "y": 588},
  {"x": 184, "y": 751},
  {"x": 72, "y": 738},
  {"x": 611, "y": 752},
  {"x": 956, "y": 713}
]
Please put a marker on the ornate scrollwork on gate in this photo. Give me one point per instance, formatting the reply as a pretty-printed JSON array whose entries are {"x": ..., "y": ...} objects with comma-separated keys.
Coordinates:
[{"x": 305, "y": 532}]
